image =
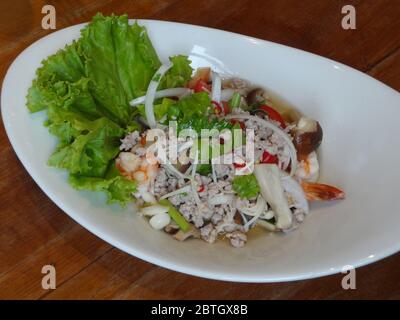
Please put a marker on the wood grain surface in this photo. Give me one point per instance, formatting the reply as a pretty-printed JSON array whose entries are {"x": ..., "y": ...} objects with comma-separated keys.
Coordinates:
[{"x": 34, "y": 232}]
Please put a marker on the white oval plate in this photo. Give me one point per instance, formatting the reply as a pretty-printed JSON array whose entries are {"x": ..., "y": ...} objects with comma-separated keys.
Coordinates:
[{"x": 360, "y": 153}]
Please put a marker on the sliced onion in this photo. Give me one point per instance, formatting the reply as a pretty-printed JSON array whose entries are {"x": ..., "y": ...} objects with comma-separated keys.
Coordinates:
[
  {"x": 186, "y": 145},
  {"x": 185, "y": 189},
  {"x": 214, "y": 176},
  {"x": 221, "y": 198},
  {"x": 261, "y": 204},
  {"x": 284, "y": 135},
  {"x": 226, "y": 94},
  {"x": 172, "y": 92},
  {"x": 187, "y": 172},
  {"x": 171, "y": 169},
  {"x": 255, "y": 210},
  {"x": 194, "y": 167},
  {"x": 153, "y": 210},
  {"x": 151, "y": 93},
  {"x": 216, "y": 87},
  {"x": 193, "y": 185},
  {"x": 195, "y": 193}
]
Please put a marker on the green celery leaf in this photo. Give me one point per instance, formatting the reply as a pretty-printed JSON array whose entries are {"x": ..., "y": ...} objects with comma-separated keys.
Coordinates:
[{"x": 246, "y": 186}]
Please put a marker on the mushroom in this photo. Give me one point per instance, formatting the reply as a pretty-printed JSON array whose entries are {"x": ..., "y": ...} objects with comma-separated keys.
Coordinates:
[
  {"x": 268, "y": 178},
  {"x": 256, "y": 97},
  {"x": 171, "y": 228},
  {"x": 182, "y": 236},
  {"x": 307, "y": 136},
  {"x": 266, "y": 225}
]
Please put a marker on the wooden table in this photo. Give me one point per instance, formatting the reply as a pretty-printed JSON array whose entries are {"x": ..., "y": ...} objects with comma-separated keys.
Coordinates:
[{"x": 34, "y": 232}]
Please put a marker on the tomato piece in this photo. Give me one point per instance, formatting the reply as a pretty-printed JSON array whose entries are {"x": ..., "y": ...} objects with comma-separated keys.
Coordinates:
[
  {"x": 273, "y": 115},
  {"x": 202, "y": 86},
  {"x": 201, "y": 74},
  {"x": 239, "y": 165},
  {"x": 241, "y": 123},
  {"x": 268, "y": 158},
  {"x": 201, "y": 188}
]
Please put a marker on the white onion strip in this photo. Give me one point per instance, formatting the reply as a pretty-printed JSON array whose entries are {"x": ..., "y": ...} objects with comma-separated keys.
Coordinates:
[
  {"x": 172, "y": 92},
  {"x": 185, "y": 189},
  {"x": 216, "y": 87},
  {"x": 261, "y": 204},
  {"x": 226, "y": 94},
  {"x": 171, "y": 169},
  {"x": 193, "y": 182},
  {"x": 284, "y": 135},
  {"x": 221, "y": 198},
  {"x": 214, "y": 176},
  {"x": 153, "y": 210},
  {"x": 151, "y": 93}
]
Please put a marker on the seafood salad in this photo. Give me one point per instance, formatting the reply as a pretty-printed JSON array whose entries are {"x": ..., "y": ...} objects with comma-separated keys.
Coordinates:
[
  {"x": 211, "y": 200},
  {"x": 199, "y": 154}
]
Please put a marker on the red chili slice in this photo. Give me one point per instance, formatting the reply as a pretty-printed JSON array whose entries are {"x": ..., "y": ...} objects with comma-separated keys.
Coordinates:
[
  {"x": 269, "y": 158},
  {"x": 227, "y": 109},
  {"x": 217, "y": 108},
  {"x": 239, "y": 165},
  {"x": 241, "y": 123},
  {"x": 201, "y": 86}
]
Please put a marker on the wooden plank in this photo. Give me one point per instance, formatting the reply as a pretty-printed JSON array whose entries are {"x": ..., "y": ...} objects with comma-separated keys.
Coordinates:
[
  {"x": 69, "y": 254},
  {"x": 388, "y": 70},
  {"x": 313, "y": 26},
  {"x": 107, "y": 277}
]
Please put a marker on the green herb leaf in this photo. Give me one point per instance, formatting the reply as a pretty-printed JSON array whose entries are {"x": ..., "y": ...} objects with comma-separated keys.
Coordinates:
[{"x": 246, "y": 186}]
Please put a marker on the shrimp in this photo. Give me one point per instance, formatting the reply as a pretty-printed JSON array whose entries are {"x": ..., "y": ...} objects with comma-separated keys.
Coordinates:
[
  {"x": 308, "y": 168},
  {"x": 321, "y": 192},
  {"x": 137, "y": 168},
  {"x": 307, "y": 173}
]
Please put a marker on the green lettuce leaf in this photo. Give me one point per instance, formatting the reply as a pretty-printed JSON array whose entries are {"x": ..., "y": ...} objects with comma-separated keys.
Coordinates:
[
  {"x": 91, "y": 152},
  {"x": 118, "y": 189},
  {"x": 160, "y": 109},
  {"x": 85, "y": 89},
  {"x": 246, "y": 186},
  {"x": 179, "y": 74},
  {"x": 190, "y": 107},
  {"x": 65, "y": 65},
  {"x": 120, "y": 61}
]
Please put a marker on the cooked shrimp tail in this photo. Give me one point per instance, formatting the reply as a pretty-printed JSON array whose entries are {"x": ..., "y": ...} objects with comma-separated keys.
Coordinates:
[{"x": 321, "y": 192}]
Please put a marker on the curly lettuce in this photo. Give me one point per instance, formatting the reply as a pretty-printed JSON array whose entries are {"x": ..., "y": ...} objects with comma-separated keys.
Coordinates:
[{"x": 85, "y": 89}]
